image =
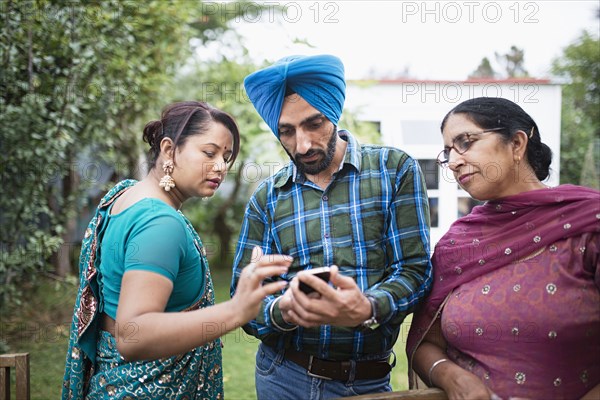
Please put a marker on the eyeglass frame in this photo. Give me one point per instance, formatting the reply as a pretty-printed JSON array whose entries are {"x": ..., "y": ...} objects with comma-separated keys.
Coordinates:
[{"x": 445, "y": 163}]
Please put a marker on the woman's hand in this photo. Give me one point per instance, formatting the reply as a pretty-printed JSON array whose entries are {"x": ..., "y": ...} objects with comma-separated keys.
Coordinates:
[
  {"x": 144, "y": 331},
  {"x": 250, "y": 290},
  {"x": 457, "y": 382},
  {"x": 461, "y": 384}
]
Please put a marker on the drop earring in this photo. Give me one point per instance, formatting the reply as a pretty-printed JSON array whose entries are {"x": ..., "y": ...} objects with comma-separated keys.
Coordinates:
[{"x": 167, "y": 182}]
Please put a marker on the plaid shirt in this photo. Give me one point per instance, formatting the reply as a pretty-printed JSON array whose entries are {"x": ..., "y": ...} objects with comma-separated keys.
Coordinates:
[{"x": 372, "y": 221}]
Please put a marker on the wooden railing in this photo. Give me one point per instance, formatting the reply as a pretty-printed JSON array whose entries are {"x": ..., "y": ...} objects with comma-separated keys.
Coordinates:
[
  {"x": 421, "y": 394},
  {"x": 20, "y": 362}
]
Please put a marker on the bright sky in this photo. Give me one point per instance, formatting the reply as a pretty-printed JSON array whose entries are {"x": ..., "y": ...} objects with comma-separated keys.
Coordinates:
[{"x": 433, "y": 39}]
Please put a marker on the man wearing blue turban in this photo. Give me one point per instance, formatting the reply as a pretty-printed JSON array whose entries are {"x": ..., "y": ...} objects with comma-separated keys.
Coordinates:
[
  {"x": 319, "y": 80},
  {"x": 360, "y": 210}
]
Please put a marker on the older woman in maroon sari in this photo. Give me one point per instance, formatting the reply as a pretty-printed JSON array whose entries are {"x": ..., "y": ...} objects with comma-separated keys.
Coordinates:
[{"x": 515, "y": 305}]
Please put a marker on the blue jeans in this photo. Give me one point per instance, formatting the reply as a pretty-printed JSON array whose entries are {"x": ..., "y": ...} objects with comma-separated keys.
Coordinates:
[{"x": 281, "y": 379}]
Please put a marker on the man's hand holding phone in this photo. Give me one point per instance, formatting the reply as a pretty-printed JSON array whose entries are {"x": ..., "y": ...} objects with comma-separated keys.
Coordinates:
[
  {"x": 322, "y": 273},
  {"x": 341, "y": 304}
]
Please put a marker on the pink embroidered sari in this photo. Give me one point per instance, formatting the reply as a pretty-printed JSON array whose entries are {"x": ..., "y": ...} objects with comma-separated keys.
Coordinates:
[{"x": 517, "y": 287}]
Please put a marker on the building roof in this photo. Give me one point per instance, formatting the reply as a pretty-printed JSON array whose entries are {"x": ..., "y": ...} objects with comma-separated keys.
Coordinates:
[{"x": 399, "y": 81}]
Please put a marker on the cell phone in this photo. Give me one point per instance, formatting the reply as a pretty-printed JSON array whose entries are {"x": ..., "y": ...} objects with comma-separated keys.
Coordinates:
[{"x": 321, "y": 272}]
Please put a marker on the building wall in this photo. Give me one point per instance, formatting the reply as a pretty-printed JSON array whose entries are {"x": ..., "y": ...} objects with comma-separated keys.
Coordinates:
[{"x": 410, "y": 113}]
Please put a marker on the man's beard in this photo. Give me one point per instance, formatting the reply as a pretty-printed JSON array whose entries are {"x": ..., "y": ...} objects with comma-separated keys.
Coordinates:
[{"x": 327, "y": 157}]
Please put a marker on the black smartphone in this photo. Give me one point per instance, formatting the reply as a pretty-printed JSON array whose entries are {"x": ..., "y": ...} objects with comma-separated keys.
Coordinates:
[{"x": 321, "y": 272}]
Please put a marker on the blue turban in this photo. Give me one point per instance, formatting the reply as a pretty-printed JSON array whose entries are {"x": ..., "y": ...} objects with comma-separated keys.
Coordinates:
[{"x": 317, "y": 79}]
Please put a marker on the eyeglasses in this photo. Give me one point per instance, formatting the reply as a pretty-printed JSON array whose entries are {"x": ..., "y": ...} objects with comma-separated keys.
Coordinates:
[{"x": 461, "y": 143}]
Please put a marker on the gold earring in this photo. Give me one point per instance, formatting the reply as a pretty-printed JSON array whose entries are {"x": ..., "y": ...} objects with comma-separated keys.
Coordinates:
[
  {"x": 518, "y": 160},
  {"x": 167, "y": 182}
]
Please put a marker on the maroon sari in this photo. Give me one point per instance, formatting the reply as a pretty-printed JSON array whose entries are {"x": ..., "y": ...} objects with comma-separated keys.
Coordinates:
[{"x": 500, "y": 235}]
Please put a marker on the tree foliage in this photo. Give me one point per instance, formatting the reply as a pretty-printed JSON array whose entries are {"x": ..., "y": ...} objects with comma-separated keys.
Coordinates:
[
  {"x": 78, "y": 79},
  {"x": 580, "y": 131},
  {"x": 484, "y": 70},
  {"x": 508, "y": 65},
  {"x": 513, "y": 63}
]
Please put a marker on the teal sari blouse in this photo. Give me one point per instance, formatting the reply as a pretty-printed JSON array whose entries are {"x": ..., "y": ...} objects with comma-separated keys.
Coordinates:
[{"x": 94, "y": 367}]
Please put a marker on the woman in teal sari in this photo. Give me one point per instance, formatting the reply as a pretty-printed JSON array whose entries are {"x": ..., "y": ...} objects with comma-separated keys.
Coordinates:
[{"x": 145, "y": 325}]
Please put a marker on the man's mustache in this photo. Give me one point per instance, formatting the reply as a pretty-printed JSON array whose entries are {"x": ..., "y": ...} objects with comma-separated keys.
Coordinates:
[{"x": 308, "y": 154}]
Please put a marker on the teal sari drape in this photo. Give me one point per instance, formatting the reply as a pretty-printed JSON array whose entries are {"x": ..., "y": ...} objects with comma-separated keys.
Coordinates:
[{"x": 95, "y": 369}]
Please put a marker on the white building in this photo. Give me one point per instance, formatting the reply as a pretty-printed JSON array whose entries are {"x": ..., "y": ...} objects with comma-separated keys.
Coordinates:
[{"x": 409, "y": 113}]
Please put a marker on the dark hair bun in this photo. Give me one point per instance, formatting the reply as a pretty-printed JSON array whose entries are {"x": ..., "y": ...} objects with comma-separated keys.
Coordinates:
[
  {"x": 152, "y": 131},
  {"x": 540, "y": 160}
]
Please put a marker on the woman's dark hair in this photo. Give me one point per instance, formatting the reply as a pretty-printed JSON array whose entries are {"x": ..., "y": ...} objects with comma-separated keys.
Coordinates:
[
  {"x": 181, "y": 120},
  {"x": 495, "y": 112}
]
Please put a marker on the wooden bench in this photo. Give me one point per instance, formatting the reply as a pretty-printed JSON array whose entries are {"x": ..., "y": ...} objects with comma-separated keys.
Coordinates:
[
  {"x": 20, "y": 362},
  {"x": 420, "y": 394}
]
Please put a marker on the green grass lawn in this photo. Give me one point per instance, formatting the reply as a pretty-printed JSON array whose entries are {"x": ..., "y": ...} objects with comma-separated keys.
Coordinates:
[{"x": 41, "y": 328}]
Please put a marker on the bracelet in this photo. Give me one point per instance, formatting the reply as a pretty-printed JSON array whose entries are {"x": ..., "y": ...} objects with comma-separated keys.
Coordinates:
[
  {"x": 273, "y": 318},
  {"x": 435, "y": 364}
]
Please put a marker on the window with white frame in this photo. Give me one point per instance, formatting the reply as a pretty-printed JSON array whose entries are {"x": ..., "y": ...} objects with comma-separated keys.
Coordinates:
[{"x": 431, "y": 173}]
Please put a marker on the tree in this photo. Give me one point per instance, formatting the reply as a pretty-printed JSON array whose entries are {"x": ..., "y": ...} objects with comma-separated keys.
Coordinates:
[
  {"x": 78, "y": 79},
  {"x": 580, "y": 125},
  {"x": 590, "y": 173},
  {"x": 484, "y": 70},
  {"x": 513, "y": 62},
  {"x": 510, "y": 65}
]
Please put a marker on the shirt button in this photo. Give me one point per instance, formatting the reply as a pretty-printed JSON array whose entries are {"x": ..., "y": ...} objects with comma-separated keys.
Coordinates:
[
  {"x": 325, "y": 198},
  {"x": 326, "y": 235}
]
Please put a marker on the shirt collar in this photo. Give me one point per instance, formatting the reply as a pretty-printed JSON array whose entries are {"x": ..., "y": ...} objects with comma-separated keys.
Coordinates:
[{"x": 352, "y": 157}]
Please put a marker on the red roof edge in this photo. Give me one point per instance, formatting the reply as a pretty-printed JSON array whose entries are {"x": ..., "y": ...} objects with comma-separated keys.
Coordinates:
[{"x": 539, "y": 81}]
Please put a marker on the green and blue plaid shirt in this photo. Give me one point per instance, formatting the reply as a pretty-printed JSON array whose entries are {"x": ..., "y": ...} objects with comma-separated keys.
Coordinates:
[{"x": 372, "y": 221}]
